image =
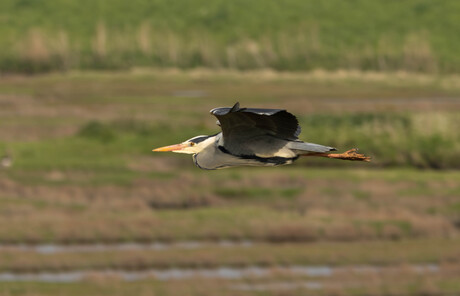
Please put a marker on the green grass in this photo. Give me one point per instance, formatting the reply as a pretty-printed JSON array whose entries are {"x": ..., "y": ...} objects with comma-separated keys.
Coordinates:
[
  {"x": 285, "y": 35},
  {"x": 421, "y": 140},
  {"x": 128, "y": 115}
]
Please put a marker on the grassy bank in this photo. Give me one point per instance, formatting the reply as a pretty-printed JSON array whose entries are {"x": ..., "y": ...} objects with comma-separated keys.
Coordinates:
[
  {"x": 421, "y": 140},
  {"x": 414, "y": 36},
  {"x": 90, "y": 120}
]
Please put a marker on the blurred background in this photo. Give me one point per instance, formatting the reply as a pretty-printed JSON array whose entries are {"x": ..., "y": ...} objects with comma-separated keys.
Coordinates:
[{"x": 89, "y": 88}]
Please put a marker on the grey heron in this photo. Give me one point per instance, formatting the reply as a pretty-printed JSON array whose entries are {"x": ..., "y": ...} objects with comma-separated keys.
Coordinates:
[{"x": 254, "y": 137}]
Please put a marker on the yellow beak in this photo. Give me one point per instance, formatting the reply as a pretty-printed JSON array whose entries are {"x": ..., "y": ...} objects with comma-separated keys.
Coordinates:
[{"x": 170, "y": 148}]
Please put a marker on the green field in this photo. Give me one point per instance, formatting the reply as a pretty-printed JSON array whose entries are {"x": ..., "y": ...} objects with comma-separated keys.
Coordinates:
[
  {"x": 84, "y": 174},
  {"x": 103, "y": 121},
  {"x": 414, "y": 36}
]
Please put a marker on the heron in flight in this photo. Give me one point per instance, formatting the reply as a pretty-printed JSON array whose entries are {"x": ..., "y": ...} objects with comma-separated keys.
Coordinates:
[{"x": 254, "y": 137}]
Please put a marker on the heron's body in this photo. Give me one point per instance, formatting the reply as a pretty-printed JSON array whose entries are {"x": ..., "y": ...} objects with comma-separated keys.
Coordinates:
[
  {"x": 216, "y": 156},
  {"x": 253, "y": 137}
]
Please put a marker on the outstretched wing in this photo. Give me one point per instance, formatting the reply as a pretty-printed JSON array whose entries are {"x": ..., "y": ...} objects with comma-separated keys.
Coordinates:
[{"x": 246, "y": 127}]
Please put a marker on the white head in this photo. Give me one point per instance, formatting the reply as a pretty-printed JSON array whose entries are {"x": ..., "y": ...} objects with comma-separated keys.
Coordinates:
[{"x": 191, "y": 146}]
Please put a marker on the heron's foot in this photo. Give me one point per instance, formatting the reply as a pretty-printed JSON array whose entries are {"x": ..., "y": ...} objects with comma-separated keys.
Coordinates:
[{"x": 351, "y": 154}]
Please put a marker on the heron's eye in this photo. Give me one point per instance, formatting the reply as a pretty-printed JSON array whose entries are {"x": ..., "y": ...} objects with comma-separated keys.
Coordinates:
[{"x": 192, "y": 144}]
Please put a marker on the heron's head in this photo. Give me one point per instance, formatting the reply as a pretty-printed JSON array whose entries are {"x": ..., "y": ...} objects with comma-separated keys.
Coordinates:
[{"x": 191, "y": 146}]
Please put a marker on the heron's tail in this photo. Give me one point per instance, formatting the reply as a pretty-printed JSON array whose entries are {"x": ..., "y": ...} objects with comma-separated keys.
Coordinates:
[{"x": 304, "y": 147}]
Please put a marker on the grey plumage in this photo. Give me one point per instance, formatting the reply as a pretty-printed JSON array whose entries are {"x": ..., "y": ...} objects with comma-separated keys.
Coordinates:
[
  {"x": 309, "y": 147},
  {"x": 262, "y": 132},
  {"x": 250, "y": 136},
  {"x": 243, "y": 123}
]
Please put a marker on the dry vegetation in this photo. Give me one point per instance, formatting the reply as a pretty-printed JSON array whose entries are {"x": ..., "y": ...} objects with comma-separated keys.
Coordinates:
[
  {"x": 300, "y": 207},
  {"x": 290, "y": 35},
  {"x": 39, "y": 51},
  {"x": 375, "y": 253}
]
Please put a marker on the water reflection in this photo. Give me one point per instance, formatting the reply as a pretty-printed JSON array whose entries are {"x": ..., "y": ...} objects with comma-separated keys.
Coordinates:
[
  {"x": 209, "y": 273},
  {"x": 157, "y": 246}
]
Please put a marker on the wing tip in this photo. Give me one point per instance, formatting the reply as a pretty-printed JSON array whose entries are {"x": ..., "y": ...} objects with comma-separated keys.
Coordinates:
[
  {"x": 235, "y": 107},
  {"x": 225, "y": 110}
]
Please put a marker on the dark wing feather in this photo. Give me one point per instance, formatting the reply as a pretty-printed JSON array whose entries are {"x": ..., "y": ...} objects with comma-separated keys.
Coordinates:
[{"x": 242, "y": 126}]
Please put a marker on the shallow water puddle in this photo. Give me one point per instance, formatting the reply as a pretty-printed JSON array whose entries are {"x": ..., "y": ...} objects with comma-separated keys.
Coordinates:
[
  {"x": 218, "y": 273},
  {"x": 157, "y": 246}
]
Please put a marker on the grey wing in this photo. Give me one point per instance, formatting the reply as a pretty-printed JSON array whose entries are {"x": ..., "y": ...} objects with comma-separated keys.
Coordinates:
[{"x": 247, "y": 130}]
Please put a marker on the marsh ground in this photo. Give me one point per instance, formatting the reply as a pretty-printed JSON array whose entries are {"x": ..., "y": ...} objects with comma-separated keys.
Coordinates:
[{"x": 83, "y": 173}]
